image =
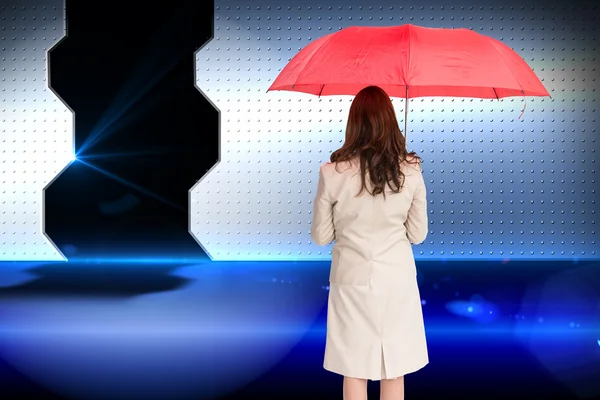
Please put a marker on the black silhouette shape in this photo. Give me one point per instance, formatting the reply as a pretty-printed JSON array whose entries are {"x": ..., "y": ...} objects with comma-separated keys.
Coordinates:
[
  {"x": 141, "y": 127},
  {"x": 96, "y": 281}
]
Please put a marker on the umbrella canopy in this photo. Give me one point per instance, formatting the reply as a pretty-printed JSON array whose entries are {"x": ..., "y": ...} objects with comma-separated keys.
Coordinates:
[{"x": 409, "y": 61}]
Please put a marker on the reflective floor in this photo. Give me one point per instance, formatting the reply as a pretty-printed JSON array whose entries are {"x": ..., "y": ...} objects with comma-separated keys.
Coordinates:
[{"x": 174, "y": 329}]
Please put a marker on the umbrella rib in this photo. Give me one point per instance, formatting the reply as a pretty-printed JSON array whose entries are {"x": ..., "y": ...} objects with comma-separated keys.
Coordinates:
[
  {"x": 317, "y": 51},
  {"x": 506, "y": 64}
]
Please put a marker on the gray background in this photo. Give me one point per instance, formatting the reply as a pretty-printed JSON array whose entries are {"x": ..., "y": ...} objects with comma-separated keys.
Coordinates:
[
  {"x": 36, "y": 127},
  {"x": 498, "y": 187}
]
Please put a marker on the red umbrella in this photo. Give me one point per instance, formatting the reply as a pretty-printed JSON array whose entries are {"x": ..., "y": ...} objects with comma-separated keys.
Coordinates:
[{"x": 409, "y": 61}]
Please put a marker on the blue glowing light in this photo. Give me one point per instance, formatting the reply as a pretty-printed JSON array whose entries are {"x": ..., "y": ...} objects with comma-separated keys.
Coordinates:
[{"x": 476, "y": 309}]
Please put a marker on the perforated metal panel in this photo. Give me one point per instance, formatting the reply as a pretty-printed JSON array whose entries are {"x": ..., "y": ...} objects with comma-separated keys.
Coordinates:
[
  {"x": 498, "y": 187},
  {"x": 36, "y": 128}
]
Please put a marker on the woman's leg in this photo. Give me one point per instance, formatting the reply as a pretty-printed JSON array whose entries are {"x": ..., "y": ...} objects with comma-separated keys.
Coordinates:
[
  {"x": 355, "y": 389},
  {"x": 392, "y": 389}
]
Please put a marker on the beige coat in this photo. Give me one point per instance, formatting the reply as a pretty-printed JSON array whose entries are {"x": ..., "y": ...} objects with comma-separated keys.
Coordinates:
[{"x": 374, "y": 323}]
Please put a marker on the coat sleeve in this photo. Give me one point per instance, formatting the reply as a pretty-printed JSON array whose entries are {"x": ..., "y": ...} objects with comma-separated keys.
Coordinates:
[
  {"x": 416, "y": 222},
  {"x": 322, "y": 230}
]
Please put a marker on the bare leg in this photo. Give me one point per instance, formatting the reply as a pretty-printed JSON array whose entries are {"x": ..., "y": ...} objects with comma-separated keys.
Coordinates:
[
  {"x": 392, "y": 389},
  {"x": 355, "y": 389}
]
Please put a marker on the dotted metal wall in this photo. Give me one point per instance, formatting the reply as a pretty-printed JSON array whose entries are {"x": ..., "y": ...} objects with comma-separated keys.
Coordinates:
[
  {"x": 36, "y": 127},
  {"x": 498, "y": 187}
]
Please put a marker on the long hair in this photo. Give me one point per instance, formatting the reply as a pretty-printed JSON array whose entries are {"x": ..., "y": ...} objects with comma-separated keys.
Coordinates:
[{"x": 374, "y": 138}]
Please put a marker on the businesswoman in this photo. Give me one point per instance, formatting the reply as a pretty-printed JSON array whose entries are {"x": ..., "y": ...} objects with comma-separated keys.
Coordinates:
[{"x": 371, "y": 200}]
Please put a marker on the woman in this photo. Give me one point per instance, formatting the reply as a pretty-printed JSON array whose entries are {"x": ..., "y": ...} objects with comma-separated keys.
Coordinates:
[{"x": 371, "y": 199}]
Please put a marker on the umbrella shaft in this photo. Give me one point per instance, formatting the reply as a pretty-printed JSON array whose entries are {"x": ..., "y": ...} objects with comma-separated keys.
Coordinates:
[{"x": 406, "y": 117}]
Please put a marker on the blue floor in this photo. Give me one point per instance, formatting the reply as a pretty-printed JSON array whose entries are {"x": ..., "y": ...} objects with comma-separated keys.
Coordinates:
[{"x": 171, "y": 329}]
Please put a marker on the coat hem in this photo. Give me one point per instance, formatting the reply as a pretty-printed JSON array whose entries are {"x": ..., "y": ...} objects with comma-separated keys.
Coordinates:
[{"x": 375, "y": 377}]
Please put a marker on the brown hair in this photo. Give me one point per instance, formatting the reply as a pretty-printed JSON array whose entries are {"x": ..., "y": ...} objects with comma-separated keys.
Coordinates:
[{"x": 374, "y": 137}]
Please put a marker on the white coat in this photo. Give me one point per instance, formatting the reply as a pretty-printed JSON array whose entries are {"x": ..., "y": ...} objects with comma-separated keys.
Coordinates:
[{"x": 375, "y": 324}]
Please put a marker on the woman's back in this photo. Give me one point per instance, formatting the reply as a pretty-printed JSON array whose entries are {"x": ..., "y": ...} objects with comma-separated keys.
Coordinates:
[
  {"x": 373, "y": 207},
  {"x": 373, "y": 234}
]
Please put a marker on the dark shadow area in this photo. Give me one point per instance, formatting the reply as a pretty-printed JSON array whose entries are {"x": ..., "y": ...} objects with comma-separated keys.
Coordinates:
[
  {"x": 144, "y": 135},
  {"x": 15, "y": 385},
  {"x": 99, "y": 281}
]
